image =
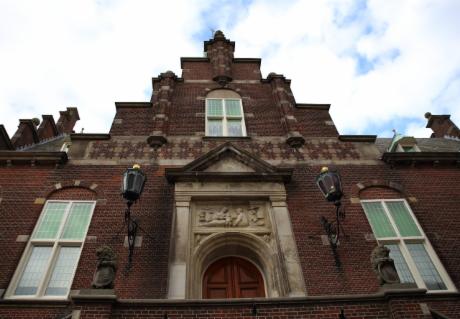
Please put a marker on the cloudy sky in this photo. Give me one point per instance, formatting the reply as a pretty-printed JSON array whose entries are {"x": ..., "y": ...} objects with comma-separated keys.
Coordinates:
[{"x": 381, "y": 64}]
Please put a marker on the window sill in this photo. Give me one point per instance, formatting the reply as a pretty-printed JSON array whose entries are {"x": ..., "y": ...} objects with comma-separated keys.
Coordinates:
[{"x": 225, "y": 138}]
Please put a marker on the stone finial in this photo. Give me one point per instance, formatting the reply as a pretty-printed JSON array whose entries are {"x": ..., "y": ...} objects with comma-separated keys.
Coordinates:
[
  {"x": 219, "y": 35},
  {"x": 104, "y": 276},
  {"x": 384, "y": 266}
]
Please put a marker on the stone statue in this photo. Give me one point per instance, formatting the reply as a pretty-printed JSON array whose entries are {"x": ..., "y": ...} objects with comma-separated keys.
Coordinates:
[
  {"x": 384, "y": 266},
  {"x": 106, "y": 268}
]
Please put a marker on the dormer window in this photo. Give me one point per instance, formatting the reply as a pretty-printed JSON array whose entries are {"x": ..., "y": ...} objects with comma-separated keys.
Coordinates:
[
  {"x": 224, "y": 114},
  {"x": 401, "y": 143}
]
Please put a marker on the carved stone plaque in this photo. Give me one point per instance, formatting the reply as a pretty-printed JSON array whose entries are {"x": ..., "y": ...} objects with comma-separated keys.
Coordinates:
[{"x": 231, "y": 215}]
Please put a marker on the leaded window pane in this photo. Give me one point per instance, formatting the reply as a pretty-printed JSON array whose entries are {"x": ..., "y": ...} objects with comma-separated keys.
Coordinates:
[
  {"x": 215, "y": 128},
  {"x": 60, "y": 281},
  {"x": 378, "y": 219},
  {"x": 77, "y": 222},
  {"x": 426, "y": 267},
  {"x": 234, "y": 128},
  {"x": 34, "y": 271},
  {"x": 232, "y": 108},
  {"x": 403, "y": 219},
  {"x": 51, "y": 221},
  {"x": 215, "y": 107},
  {"x": 400, "y": 263}
]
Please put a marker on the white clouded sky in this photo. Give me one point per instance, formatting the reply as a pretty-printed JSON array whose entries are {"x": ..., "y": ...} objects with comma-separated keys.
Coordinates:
[{"x": 381, "y": 64}]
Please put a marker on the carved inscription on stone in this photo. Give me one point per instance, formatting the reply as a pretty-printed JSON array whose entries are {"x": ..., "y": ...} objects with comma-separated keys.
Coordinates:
[{"x": 231, "y": 215}]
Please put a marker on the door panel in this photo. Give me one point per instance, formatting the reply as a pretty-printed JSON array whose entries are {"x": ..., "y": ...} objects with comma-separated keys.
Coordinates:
[{"x": 232, "y": 277}]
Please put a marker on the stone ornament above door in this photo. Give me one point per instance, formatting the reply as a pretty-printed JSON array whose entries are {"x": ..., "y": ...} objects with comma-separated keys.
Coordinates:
[{"x": 229, "y": 203}]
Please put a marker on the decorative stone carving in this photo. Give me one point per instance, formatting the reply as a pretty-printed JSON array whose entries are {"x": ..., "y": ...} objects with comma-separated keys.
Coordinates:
[
  {"x": 384, "y": 266},
  {"x": 106, "y": 268},
  {"x": 230, "y": 217}
]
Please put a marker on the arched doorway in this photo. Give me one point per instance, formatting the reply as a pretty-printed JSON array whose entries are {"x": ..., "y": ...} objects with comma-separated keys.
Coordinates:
[{"x": 232, "y": 277}]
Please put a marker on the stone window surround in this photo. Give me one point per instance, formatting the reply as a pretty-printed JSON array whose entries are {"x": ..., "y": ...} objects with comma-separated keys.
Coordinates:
[{"x": 278, "y": 263}]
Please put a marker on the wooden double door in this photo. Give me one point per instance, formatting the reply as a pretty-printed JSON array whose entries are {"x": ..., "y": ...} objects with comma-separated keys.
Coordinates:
[{"x": 232, "y": 277}]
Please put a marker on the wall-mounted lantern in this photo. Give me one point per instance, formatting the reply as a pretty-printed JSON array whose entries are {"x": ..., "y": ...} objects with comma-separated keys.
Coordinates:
[
  {"x": 131, "y": 189},
  {"x": 331, "y": 186}
]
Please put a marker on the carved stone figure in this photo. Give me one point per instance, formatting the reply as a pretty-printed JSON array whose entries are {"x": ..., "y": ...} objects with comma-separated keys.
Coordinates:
[
  {"x": 240, "y": 218},
  {"x": 106, "y": 268},
  {"x": 384, "y": 266},
  {"x": 256, "y": 216},
  {"x": 220, "y": 218}
]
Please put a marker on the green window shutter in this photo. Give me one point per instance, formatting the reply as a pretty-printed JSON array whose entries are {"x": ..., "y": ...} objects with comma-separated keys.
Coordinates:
[
  {"x": 215, "y": 107},
  {"x": 378, "y": 219},
  {"x": 50, "y": 221},
  {"x": 77, "y": 222},
  {"x": 403, "y": 219}
]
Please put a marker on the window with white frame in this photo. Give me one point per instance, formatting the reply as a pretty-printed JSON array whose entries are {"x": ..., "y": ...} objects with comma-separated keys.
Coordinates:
[
  {"x": 224, "y": 117},
  {"x": 50, "y": 259},
  {"x": 395, "y": 226}
]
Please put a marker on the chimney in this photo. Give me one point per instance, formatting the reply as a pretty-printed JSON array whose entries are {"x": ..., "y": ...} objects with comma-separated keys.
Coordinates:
[
  {"x": 67, "y": 120},
  {"x": 220, "y": 50},
  {"x": 26, "y": 133},
  {"x": 442, "y": 126},
  {"x": 5, "y": 142},
  {"x": 47, "y": 128}
]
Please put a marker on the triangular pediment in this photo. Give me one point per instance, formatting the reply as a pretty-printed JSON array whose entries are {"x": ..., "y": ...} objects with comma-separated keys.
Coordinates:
[{"x": 230, "y": 163}]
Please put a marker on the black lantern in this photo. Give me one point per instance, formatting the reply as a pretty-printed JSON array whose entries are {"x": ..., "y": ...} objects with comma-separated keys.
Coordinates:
[
  {"x": 133, "y": 183},
  {"x": 330, "y": 185},
  {"x": 131, "y": 189}
]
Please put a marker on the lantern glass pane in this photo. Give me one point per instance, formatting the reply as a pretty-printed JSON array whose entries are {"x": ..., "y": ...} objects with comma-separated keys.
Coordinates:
[{"x": 378, "y": 220}]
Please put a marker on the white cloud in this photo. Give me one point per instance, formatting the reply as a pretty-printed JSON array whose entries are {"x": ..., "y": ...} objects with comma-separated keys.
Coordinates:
[{"x": 89, "y": 54}]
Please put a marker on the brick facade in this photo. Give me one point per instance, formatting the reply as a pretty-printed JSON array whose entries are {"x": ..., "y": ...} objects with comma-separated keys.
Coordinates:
[{"x": 176, "y": 113}]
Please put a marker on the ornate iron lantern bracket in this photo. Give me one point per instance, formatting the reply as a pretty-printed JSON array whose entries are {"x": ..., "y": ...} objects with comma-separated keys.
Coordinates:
[
  {"x": 131, "y": 189},
  {"x": 331, "y": 186}
]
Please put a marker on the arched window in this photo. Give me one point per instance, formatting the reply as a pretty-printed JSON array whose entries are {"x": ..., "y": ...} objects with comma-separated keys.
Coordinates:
[
  {"x": 224, "y": 114},
  {"x": 394, "y": 225},
  {"x": 49, "y": 262},
  {"x": 232, "y": 277}
]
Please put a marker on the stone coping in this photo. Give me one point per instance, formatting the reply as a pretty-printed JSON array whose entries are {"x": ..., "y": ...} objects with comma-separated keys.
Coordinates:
[
  {"x": 132, "y": 105},
  {"x": 358, "y": 138},
  {"x": 313, "y": 106},
  {"x": 89, "y": 136},
  {"x": 421, "y": 157},
  {"x": 21, "y": 157}
]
